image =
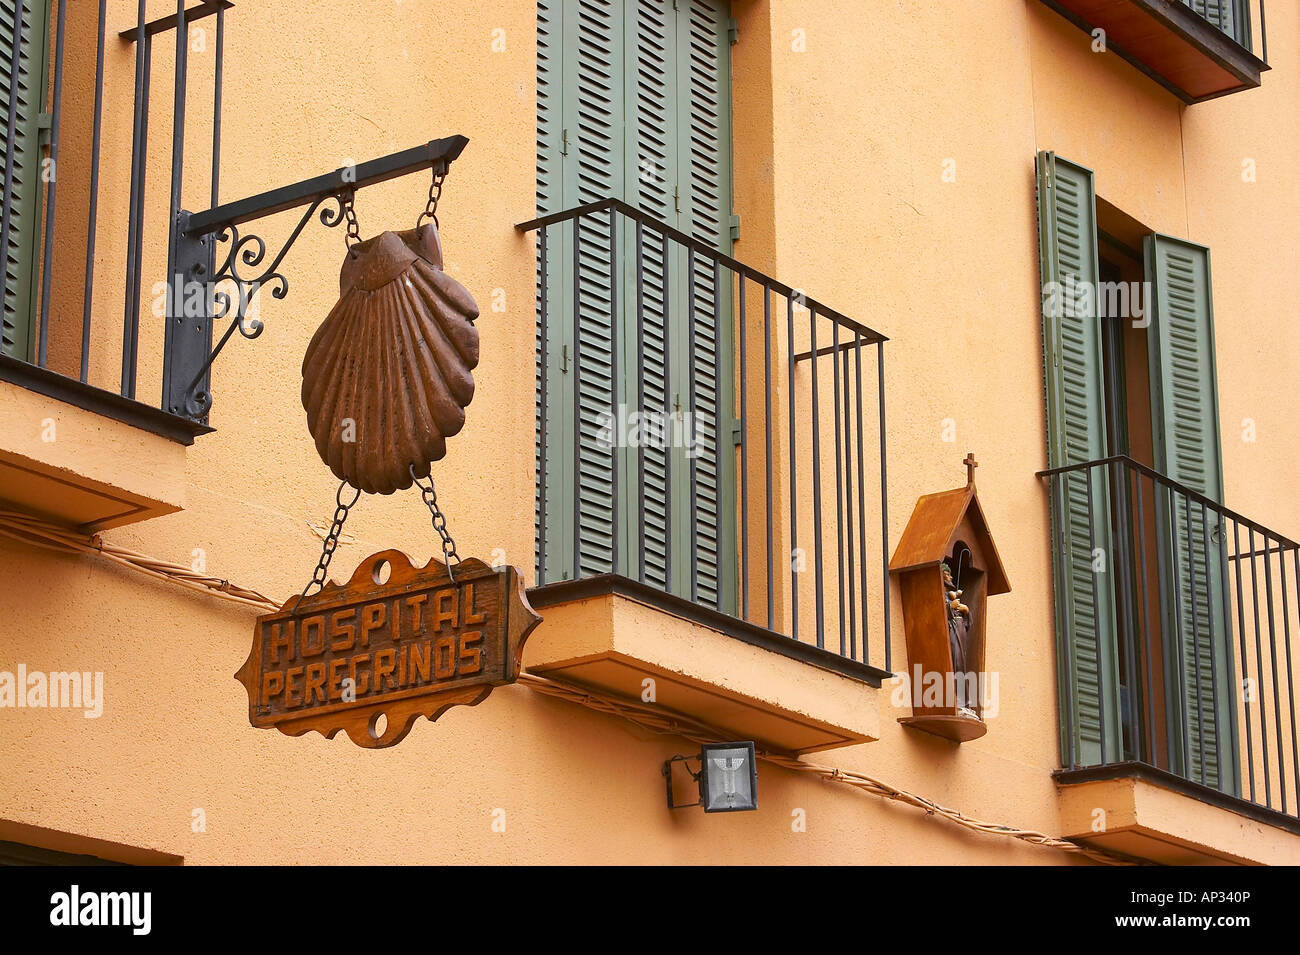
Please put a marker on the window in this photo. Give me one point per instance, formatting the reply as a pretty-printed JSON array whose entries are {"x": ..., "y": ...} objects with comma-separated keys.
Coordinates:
[
  {"x": 22, "y": 92},
  {"x": 1230, "y": 16},
  {"x": 634, "y": 104},
  {"x": 1133, "y": 374}
]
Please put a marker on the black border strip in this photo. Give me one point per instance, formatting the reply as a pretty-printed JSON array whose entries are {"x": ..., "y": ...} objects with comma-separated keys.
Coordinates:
[
  {"x": 605, "y": 585},
  {"x": 107, "y": 403}
]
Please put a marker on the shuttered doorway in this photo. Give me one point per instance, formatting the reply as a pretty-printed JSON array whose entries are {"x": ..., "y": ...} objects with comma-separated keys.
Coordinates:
[{"x": 634, "y": 104}]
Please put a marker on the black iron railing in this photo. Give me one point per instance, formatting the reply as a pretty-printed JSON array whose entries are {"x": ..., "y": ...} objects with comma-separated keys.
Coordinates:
[
  {"x": 1233, "y": 17},
  {"x": 57, "y": 312},
  {"x": 780, "y": 517},
  {"x": 59, "y": 318},
  {"x": 1185, "y": 618}
]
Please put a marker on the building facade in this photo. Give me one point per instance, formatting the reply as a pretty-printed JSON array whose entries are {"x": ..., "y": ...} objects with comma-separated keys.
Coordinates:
[{"x": 752, "y": 280}]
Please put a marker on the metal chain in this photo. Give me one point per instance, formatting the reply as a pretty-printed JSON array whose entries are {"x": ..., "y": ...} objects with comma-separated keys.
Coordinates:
[
  {"x": 430, "y": 495},
  {"x": 435, "y": 193},
  {"x": 331, "y": 541},
  {"x": 353, "y": 233}
]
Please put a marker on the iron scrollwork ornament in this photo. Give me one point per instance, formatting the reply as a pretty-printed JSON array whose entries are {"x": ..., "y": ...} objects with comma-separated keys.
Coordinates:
[{"x": 248, "y": 252}]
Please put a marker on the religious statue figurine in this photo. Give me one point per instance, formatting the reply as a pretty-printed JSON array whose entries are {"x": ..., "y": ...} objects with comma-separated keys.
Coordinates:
[{"x": 959, "y": 634}]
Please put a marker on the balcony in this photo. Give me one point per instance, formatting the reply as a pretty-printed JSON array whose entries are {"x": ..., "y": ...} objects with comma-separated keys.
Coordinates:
[
  {"x": 1175, "y": 666},
  {"x": 86, "y": 332},
  {"x": 113, "y": 289},
  {"x": 1196, "y": 49},
  {"x": 79, "y": 300},
  {"x": 711, "y": 510}
]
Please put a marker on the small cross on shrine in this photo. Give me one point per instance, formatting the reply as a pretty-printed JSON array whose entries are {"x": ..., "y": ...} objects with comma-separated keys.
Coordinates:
[{"x": 971, "y": 465}]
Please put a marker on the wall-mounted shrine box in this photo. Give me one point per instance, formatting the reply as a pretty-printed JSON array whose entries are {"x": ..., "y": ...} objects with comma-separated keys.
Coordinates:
[{"x": 947, "y": 566}]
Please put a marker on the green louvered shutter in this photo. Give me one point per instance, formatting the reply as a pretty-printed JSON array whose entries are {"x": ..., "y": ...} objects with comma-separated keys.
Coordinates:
[
  {"x": 1185, "y": 431},
  {"x": 596, "y": 70},
  {"x": 1076, "y": 432},
  {"x": 548, "y": 153},
  {"x": 652, "y": 134},
  {"x": 22, "y": 72},
  {"x": 1228, "y": 15},
  {"x": 635, "y": 103},
  {"x": 581, "y": 77},
  {"x": 704, "y": 171}
]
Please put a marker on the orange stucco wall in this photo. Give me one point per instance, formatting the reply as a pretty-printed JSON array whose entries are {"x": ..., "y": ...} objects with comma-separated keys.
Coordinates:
[{"x": 840, "y": 151}]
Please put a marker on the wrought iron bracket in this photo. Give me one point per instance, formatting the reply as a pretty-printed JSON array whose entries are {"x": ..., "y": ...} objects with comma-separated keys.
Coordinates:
[{"x": 196, "y": 300}]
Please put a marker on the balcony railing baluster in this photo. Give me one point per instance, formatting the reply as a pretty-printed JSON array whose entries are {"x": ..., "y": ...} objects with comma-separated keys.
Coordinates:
[
  {"x": 743, "y": 375},
  {"x": 43, "y": 326},
  {"x": 794, "y": 513},
  {"x": 770, "y": 553},
  {"x": 92, "y": 216}
]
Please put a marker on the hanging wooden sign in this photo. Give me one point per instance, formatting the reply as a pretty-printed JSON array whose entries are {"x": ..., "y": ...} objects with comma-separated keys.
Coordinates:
[
  {"x": 370, "y": 657},
  {"x": 386, "y": 380}
]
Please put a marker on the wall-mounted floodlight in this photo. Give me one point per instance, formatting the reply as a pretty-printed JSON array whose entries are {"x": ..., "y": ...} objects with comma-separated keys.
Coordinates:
[{"x": 728, "y": 777}]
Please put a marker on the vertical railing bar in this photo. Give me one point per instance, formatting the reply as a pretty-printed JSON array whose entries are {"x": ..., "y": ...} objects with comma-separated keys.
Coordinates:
[
  {"x": 1088, "y": 478},
  {"x": 767, "y": 459},
  {"x": 1272, "y": 653},
  {"x": 884, "y": 502},
  {"x": 93, "y": 212},
  {"x": 1196, "y": 633},
  {"x": 1245, "y": 656},
  {"x": 1166, "y": 574},
  {"x": 1290, "y": 685},
  {"x": 690, "y": 405},
  {"x": 577, "y": 396},
  {"x": 48, "y": 254},
  {"x": 668, "y": 457},
  {"x": 719, "y": 499},
  {"x": 178, "y": 125},
  {"x": 11, "y": 146},
  {"x": 1120, "y": 480},
  {"x": 1149, "y": 694},
  {"x": 1209, "y": 604},
  {"x": 816, "y": 428},
  {"x": 614, "y": 561},
  {"x": 135, "y": 206},
  {"x": 839, "y": 483},
  {"x": 862, "y": 501},
  {"x": 218, "y": 75},
  {"x": 1073, "y": 712},
  {"x": 216, "y": 105},
  {"x": 543, "y": 407},
  {"x": 848, "y": 500},
  {"x": 1263, "y": 34},
  {"x": 1176, "y": 576},
  {"x": 742, "y": 321},
  {"x": 794, "y": 509},
  {"x": 1259, "y": 666},
  {"x": 1290, "y": 681},
  {"x": 640, "y": 397}
]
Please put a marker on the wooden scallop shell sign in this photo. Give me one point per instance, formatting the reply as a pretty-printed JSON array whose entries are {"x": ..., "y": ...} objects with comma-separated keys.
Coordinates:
[
  {"x": 386, "y": 378},
  {"x": 386, "y": 381}
]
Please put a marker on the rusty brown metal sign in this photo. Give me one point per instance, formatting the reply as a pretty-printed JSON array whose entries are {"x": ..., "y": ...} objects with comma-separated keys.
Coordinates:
[
  {"x": 394, "y": 360},
  {"x": 370, "y": 657}
]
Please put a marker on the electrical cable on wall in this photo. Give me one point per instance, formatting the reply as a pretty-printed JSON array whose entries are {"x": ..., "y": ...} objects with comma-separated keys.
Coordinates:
[{"x": 38, "y": 532}]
